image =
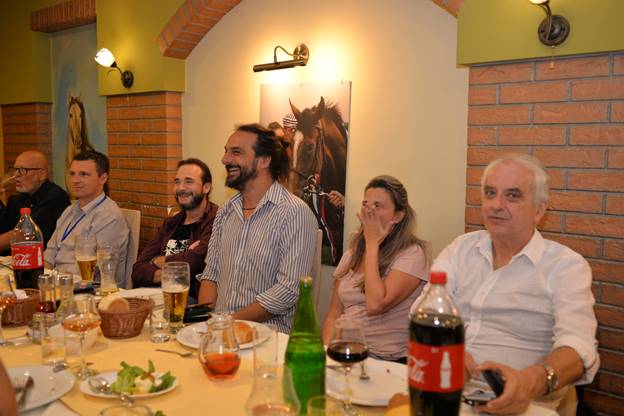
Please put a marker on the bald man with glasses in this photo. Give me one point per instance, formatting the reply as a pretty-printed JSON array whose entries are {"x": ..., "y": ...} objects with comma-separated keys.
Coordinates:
[{"x": 46, "y": 199}]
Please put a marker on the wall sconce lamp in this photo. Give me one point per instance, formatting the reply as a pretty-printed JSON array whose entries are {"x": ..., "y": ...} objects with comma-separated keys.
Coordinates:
[
  {"x": 105, "y": 58},
  {"x": 300, "y": 58},
  {"x": 554, "y": 29}
]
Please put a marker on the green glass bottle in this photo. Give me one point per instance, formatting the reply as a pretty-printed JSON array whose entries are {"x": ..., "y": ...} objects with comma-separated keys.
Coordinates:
[{"x": 305, "y": 355}]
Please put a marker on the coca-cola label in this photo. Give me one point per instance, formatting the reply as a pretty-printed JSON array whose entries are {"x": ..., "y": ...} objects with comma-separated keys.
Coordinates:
[
  {"x": 436, "y": 368},
  {"x": 27, "y": 256}
]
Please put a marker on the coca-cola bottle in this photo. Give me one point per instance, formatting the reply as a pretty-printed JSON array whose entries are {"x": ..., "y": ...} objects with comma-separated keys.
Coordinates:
[
  {"x": 436, "y": 353},
  {"x": 27, "y": 251}
]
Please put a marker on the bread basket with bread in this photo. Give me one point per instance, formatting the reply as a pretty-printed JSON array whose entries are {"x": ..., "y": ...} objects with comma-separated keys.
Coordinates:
[
  {"x": 123, "y": 317},
  {"x": 21, "y": 312}
]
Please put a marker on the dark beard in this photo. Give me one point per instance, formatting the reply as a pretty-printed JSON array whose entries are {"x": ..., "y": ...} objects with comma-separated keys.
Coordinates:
[
  {"x": 197, "y": 199},
  {"x": 243, "y": 177}
]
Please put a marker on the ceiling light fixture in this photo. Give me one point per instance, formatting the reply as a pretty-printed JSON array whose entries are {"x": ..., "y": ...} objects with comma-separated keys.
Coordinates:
[
  {"x": 300, "y": 58},
  {"x": 554, "y": 29},
  {"x": 105, "y": 58}
]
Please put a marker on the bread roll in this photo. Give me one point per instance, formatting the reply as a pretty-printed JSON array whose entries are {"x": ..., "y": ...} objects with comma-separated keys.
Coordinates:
[
  {"x": 114, "y": 303},
  {"x": 243, "y": 332}
]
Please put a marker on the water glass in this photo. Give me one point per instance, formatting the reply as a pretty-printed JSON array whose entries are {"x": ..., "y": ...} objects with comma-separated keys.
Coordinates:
[
  {"x": 325, "y": 406},
  {"x": 265, "y": 349},
  {"x": 273, "y": 393},
  {"x": 158, "y": 324},
  {"x": 176, "y": 279},
  {"x": 52, "y": 340}
]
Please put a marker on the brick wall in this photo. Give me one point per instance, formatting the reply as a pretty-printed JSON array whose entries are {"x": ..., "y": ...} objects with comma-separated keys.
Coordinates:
[
  {"x": 144, "y": 146},
  {"x": 571, "y": 117},
  {"x": 26, "y": 127}
]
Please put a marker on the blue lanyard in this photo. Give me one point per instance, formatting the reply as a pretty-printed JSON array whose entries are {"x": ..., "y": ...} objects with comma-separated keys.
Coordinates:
[{"x": 68, "y": 229}]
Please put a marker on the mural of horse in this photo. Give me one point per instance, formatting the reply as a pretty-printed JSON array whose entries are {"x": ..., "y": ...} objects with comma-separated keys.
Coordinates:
[
  {"x": 77, "y": 138},
  {"x": 319, "y": 166}
]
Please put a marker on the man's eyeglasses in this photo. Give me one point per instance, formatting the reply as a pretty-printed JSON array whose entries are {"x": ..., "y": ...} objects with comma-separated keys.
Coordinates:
[{"x": 23, "y": 171}]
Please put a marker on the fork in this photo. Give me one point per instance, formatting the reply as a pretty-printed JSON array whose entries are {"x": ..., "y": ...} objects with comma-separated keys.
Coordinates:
[
  {"x": 27, "y": 386},
  {"x": 181, "y": 354}
]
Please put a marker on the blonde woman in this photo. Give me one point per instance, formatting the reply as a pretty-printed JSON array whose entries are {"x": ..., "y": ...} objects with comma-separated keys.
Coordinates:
[{"x": 382, "y": 272}]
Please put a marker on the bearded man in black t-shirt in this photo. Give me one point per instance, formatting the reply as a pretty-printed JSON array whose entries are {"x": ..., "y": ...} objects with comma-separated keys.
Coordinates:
[{"x": 185, "y": 236}]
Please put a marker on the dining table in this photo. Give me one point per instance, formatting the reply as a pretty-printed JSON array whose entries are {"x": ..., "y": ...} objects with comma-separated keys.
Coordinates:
[{"x": 195, "y": 393}]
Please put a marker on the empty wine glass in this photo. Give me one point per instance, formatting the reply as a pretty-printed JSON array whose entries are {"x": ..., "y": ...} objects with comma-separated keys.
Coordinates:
[
  {"x": 348, "y": 347},
  {"x": 7, "y": 297},
  {"x": 82, "y": 318}
]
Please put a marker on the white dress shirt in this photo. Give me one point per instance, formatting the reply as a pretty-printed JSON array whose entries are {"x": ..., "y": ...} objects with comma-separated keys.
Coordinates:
[{"x": 521, "y": 312}]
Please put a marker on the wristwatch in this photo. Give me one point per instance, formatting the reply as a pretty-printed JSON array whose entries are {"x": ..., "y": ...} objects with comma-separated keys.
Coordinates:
[{"x": 552, "y": 380}]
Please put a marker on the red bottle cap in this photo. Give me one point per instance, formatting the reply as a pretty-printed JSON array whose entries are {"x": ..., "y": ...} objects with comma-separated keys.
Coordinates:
[
  {"x": 438, "y": 278},
  {"x": 25, "y": 211}
]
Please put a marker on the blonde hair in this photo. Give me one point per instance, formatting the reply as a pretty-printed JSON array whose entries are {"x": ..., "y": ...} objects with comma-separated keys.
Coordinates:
[{"x": 400, "y": 237}]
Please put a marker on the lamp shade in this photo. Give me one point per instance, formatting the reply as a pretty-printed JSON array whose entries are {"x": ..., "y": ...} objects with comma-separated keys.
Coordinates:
[
  {"x": 538, "y": 1},
  {"x": 105, "y": 58}
]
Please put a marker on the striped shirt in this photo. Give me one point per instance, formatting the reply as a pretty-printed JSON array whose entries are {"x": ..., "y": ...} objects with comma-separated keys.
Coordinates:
[{"x": 262, "y": 259}]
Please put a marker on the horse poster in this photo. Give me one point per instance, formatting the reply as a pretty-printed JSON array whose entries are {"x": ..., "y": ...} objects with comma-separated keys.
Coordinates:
[{"x": 313, "y": 120}]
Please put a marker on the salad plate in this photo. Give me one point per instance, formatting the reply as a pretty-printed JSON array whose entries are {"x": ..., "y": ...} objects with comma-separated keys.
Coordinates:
[
  {"x": 129, "y": 378},
  {"x": 190, "y": 335}
]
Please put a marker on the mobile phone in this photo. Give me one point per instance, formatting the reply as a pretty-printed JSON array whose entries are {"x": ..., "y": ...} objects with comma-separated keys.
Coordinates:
[
  {"x": 478, "y": 398},
  {"x": 495, "y": 381},
  {"x": 197, "y": 313}
]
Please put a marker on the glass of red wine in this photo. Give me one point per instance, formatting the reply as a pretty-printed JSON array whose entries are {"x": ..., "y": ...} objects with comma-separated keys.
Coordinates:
[
  {"x": 7, "y": 297},
  {"x": 82, "y": 318},
  {"x": 348, "y": 347}
]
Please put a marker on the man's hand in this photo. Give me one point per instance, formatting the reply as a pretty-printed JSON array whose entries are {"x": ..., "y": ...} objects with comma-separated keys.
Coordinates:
[
  {"x": 520, "y": 388},
  {"x": 158, "y": 261}
]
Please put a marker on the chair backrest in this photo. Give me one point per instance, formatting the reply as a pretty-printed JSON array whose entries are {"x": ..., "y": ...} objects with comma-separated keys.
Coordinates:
[
  {"x": 133, "y": 219},
  {"x": 316, "y": 267}
]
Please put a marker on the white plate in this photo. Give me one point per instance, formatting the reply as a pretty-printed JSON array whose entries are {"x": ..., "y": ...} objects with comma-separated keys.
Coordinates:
[
  {"x": 190, "y": 335},
  {"x": 143, "y": 292},
  {"x": 386, "y": 379},
  {"x": 111, "y": 376},
  {"x": 48, "y": 386}
]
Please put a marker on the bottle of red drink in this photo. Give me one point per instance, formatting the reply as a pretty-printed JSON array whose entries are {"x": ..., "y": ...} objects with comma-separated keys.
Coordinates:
[
  {"x": 436, "y": 353},
  {"x": 27, "y": 251}
]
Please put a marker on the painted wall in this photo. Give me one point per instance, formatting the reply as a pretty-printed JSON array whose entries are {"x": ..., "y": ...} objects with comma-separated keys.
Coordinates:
[
  {"x": 409, "y": 105},
  {"x": 503, "y": 30},
  {"x": 75, "y": 72},
  {"x": 129, "y": 30},
  {"x": 25, "y": 72}
]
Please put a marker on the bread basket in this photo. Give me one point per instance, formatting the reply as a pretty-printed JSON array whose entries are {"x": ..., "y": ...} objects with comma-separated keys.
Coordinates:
[
  {"x": 21, "y": 312},
  {"x": 126, "y": 324}
]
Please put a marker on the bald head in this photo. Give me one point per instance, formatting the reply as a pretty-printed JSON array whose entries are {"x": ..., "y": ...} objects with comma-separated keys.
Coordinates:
[{"x": 34, "y": 167}]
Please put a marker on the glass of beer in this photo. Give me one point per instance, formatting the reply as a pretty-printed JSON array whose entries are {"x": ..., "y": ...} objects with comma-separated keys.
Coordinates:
[
  {"x": 82, "y": 318},
  {"x": 7, "y": 297},
  {"x": 86, "y": 258},
  {"x": 176, "y": 280}
]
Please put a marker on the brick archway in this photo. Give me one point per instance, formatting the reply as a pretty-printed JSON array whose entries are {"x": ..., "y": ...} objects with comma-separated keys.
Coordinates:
[{"x": 195, "y": 18}]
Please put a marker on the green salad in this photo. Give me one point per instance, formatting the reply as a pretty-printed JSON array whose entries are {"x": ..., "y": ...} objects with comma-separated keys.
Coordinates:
[{"x": 134, "y": 380}]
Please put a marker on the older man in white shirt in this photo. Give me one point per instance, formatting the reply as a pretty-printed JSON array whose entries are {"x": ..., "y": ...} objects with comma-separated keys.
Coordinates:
[{"x": 526, "y": 302}]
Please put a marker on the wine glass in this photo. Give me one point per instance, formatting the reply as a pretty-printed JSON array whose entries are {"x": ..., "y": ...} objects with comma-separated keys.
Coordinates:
[
  {"x": 82, "y": 318},
  {"x": 348, "y": 347},
  {"x": 176, "y": 281},
  {"x": 7, "y": 297}
]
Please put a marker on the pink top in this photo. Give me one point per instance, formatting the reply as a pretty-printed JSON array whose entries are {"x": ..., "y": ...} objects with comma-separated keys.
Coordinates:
[{"x": 386, "y": 334}]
